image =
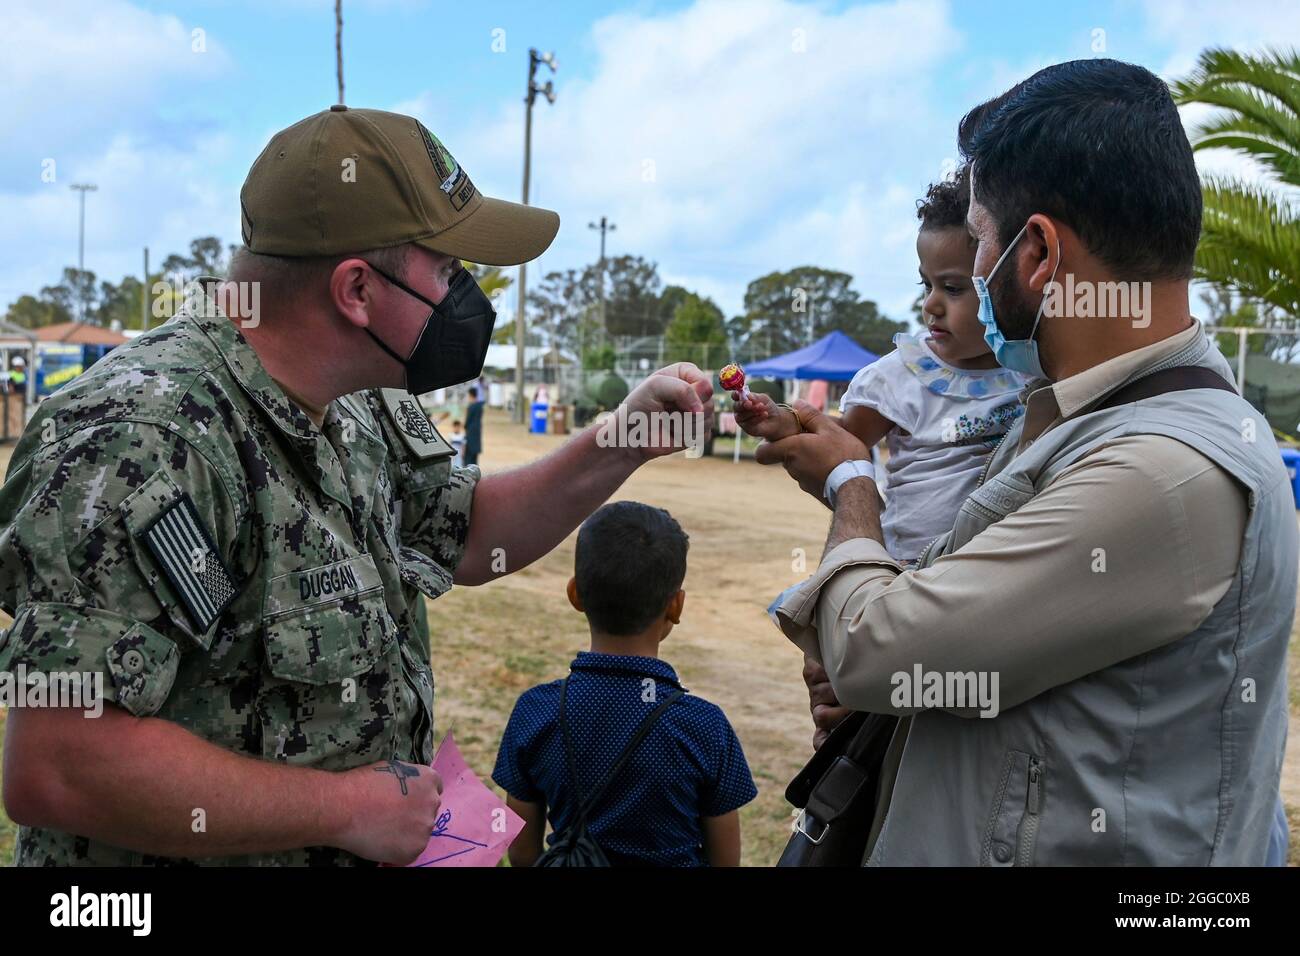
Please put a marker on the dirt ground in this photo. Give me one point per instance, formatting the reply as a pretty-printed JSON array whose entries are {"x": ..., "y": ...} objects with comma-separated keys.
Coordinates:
[
  {"x": 750, "y": 530},
  {"x": 745, "y": 523}
]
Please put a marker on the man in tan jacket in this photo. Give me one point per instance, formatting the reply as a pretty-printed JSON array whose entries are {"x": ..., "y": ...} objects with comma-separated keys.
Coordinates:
[{"x": 1127, "y": 568}]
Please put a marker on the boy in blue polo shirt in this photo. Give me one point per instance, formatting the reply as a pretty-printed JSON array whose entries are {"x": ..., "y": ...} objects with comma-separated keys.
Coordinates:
[{"x": 675, "y": 801}]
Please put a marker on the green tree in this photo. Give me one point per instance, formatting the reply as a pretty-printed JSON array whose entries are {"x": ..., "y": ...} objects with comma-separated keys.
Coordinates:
[
  {"x": 1250, "y": 241},
  {"x": 671, "y": 299},
  {"x": 697, "y": 333},
  {"x": 632, "y": 301},
  {"x": 1226, "y": 310},
  {"x": 788, "y": 310},
  {"x": 120, "y": 303},
  {"x": 567, "y": 304},
  {"x": 494, "y": 283},
  {"x": 33, "y": 313},
  {"x": 489, "y": 278},
  {"x": 207, "y": 258},
  {"x": 75, "y": 293}
]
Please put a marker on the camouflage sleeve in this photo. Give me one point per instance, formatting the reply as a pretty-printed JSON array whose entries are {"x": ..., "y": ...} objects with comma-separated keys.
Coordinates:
[
  {"x": 80, "y": 573},
  {"x": 435, "y": 520}
]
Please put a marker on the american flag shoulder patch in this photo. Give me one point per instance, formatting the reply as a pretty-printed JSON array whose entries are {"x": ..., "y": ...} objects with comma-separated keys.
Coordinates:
[{"x": 184, "y": 550}]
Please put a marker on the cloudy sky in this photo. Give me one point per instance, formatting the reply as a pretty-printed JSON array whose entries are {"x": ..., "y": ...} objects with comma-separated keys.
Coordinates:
[{"x": 725, "y": 138}]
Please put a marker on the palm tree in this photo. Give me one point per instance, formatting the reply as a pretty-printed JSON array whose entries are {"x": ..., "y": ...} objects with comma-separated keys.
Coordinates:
[
  {"x": 489, "y": 278},
  {"x": 1250, "y": 239}
]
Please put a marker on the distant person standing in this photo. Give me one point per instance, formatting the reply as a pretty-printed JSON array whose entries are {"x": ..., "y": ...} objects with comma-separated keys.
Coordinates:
[
  {"x": 457, "y": 441},
  {"x": 473, "y": 428}
]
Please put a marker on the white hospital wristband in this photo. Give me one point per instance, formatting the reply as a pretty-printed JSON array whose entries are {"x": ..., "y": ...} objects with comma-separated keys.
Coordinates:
[{"x": 843, "y": 472}]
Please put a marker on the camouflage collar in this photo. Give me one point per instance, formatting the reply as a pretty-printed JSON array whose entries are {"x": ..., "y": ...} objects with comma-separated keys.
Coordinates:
[{"x": 246, "y": 367}]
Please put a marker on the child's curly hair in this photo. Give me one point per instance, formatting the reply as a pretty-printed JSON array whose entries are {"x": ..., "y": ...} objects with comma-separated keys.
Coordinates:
[{"x": 945, "y": 203}]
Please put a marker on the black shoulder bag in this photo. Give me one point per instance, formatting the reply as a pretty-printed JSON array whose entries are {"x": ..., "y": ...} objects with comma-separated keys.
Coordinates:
[
  {"x": 575, "y": 846},
  {"x": 837, "y": 791}
]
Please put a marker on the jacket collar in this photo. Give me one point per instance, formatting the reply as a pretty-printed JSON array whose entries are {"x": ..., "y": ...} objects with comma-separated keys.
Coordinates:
[
  {"x": 346, "y": 466},
  {"x": 246, "y": 367}
]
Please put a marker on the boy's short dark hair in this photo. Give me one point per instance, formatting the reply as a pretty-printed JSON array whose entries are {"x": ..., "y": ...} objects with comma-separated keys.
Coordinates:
[
  {"x": 631, "y": 560},
  {"x": 946, "y": 203},
  {"x": 473, "y": 391},
  {"x": 1097, "y": 144}
]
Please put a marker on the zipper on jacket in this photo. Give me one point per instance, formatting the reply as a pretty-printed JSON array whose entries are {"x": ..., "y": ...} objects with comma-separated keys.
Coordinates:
[
  {"x": 1029, "y": 825},
  {"x": 984, "y": 472}
]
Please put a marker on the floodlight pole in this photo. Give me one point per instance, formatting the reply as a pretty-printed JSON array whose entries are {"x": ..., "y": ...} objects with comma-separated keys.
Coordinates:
[
  {"x": 82, "y": 189},
  {"x": 534, "y": 58}
]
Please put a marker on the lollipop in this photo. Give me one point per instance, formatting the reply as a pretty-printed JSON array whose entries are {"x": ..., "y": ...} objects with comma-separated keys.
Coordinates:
[{"x": 732, "y": 378}]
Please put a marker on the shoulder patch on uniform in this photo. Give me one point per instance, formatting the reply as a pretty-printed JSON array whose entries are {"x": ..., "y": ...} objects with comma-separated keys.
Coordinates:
[
  {"x": 186, "y": 554},
  {"x": 413, "y": 425}
]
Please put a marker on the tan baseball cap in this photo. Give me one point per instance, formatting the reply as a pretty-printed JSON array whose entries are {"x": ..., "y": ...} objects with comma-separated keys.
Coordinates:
[{"x": 349, "y": 179}]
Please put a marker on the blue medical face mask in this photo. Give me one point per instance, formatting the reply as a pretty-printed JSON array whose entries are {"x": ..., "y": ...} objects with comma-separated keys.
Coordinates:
[{"x": 1019, "y": 355}]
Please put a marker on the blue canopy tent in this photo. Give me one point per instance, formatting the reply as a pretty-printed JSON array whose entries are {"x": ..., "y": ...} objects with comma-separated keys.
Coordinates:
[{"x": 834, "y": 357}]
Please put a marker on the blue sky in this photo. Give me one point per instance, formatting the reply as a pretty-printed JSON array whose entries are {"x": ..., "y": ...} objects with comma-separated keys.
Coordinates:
[{"x": 726, "y": 138}]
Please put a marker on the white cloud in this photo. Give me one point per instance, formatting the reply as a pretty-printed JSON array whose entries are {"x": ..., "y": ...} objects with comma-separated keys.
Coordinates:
[
  {"x": 1192, "y": 26},
  {"x": 85, "y": 84},
  {"x": 732, "y": 138},
  {"x": 76, "y": 72}
]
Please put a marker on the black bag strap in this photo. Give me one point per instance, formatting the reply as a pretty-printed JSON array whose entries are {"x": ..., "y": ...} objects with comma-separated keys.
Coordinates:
[
  {"x": 585, "y": 804},
  {"x": 837, "y": 742},
  {"x": 1176, "y": 379},
  {"x": 858, "y": 737}
]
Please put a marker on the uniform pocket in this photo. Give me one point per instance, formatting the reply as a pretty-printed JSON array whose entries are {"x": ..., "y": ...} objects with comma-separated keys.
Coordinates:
[
  {"x": 328, "y": 641},
  {"x": 331, "y": 700},
  {"x": 1014, "y": 818}
]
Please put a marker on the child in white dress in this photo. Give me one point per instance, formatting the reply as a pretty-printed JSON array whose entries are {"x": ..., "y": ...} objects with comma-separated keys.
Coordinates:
[{"x": 940, "y": 400}]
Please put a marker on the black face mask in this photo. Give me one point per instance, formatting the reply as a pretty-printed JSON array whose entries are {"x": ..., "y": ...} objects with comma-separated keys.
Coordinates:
[{"x": 453, "y": 349}]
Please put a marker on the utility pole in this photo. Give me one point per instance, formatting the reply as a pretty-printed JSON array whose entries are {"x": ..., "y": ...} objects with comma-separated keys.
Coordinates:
[
  {"x": 604, "y": 227},
  {"x": 82, "y": 188},
  {"x": 338, "y": 43},
  {"x": 144, "y": 294},
  {"x": 534, "y": 58}
]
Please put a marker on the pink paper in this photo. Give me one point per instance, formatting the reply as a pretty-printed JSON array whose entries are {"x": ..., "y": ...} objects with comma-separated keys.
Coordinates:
[{"x": 474, "y": 826}]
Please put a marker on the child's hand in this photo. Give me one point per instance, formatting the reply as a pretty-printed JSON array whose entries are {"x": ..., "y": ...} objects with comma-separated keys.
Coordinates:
[{"x": 761, "y": 417}]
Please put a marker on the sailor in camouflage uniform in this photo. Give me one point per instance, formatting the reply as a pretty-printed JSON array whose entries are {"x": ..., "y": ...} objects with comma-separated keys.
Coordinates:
[{"x": 240, "y": 562}]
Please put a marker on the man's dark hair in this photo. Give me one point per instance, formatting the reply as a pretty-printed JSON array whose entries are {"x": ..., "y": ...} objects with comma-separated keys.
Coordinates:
[
  {"x": 945, "y": 203},
  {"x": 1098, "y": 145},
  {"x": 631, "y": 560}
]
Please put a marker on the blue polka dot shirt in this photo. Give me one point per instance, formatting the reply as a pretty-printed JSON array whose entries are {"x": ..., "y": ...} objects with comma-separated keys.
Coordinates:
[{"x": 689, "y": 766}]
